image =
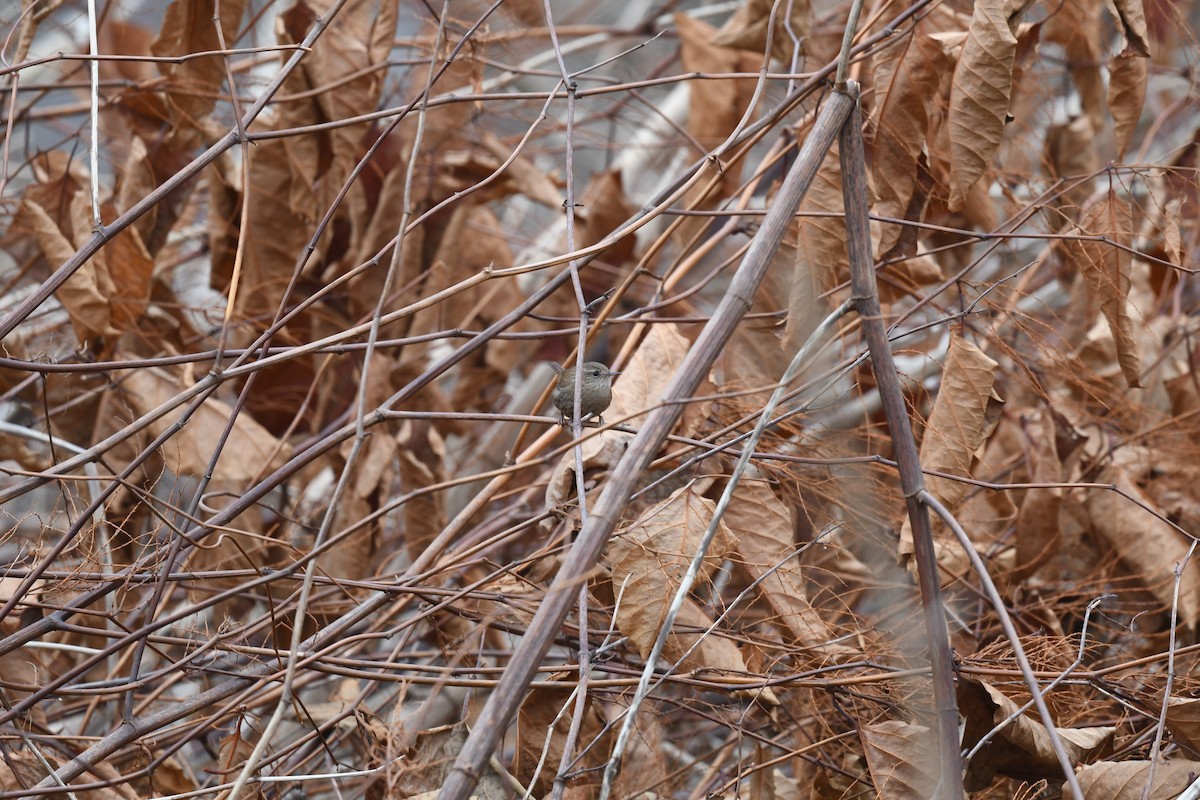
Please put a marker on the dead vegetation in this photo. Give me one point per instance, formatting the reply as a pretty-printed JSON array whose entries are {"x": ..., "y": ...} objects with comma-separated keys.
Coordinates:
[{"x": 286, "y": 511}]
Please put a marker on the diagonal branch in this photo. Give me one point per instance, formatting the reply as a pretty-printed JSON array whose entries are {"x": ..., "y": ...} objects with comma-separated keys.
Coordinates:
[{"x": 503, "y": 703}]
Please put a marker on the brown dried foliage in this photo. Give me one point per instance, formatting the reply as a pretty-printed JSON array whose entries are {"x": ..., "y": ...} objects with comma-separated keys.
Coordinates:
[{"x": 362, "y": 258}]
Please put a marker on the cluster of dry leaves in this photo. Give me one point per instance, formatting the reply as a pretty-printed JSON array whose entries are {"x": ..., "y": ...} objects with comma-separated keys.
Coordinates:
[{"x": 275, "y": 509}]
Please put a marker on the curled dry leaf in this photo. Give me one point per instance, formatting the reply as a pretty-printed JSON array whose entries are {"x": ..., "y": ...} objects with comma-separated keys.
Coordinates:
[
  {"x": 1147, "y": 545},
  {"x": 763, "y": 531},
  {"x": 421, "y": 454},
  {"x": 1183, "y": 721},
  {"x": 193, "y": 85},
  {"x": 715, "y": 107},
  {"x": 524, "y": 177},
  {"x": 820, "y": 252},
  {"x": 1070, "y": 152},
  {"x": 1130, "y": 19},
  {"x": 424, "y": 770},
  {"x": 1105, "y": 271},
  {"x": 1039, "y": 534},
  {"x": 1021, "y": 748},
  {"x": 964, "y": 415},
  {"x": 605, "y": 209},
  {"x": 109, "y": 293},
  {"x": 301, "y": 175},
  {"x": 1125, "y": 780},
  {"x": 1127, "y": 75},
  {"x": 1075, "y": 26},
  {"x": 907, "y": 82},
  {"x": 81, "y": 295},
  {"x": 980, "y": 93},
  {"x": 648, "y": 562},
  {"x": 1172, "y": 238},
  {"x": 543, "y": 721}
]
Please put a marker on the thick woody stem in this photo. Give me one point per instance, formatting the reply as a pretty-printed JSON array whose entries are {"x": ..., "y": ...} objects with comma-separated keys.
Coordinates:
[{"x": 865, "y": 296}]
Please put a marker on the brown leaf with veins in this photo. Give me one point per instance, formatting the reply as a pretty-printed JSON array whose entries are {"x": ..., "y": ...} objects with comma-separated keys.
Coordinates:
[
  {"x": 648, "y": 562},
  {"x": 1146, "y": 544},
  {"x": 249, "y": 452},
  {"x": 1183, "y": 721},
  {"x": 963, "y": 415},
  {"x": 1130, "y": 19},
  {"x": 820, "y": 252},
  {"x": 1104, "y": 267},
  {"x": 1022, "y": 748},
  {"x": 1127, "y": 75},
  {"x": 1124, "y": 780},
  {"x": 901, "y": 758},
  {"x": 766, "y": 544},
  {"x": 193, "y": 85},
  {"x": 980, "y": 94},
  {"x": 543, "y": 721},
  {"x": 906, "y": 89}
]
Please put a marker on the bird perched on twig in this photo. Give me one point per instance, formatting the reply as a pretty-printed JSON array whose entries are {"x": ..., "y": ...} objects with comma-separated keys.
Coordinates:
[{"x": 596, "y": 394}]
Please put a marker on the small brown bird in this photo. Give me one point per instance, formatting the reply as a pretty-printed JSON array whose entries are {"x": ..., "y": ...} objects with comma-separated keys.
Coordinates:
[{"x": 596, "y": 394}]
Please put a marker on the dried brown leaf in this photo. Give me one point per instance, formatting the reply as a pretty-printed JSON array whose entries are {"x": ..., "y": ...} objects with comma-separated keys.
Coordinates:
[
  {"x": 907, "y": 85},
  {"x": 81, "y": 295},
  {"x": 1022, "y": 748},
  {"x": 964, "y": 413},
  {"x": 526, "y": 178},
  {"x": 1147, "y": 545},
  {"x": 902, "y": 759},
  {"x": 980, "y": 93},
  {"x": 648, "y": 561},
  {"x": 1183, "y": 721},
  {"x": 1125, "y": 780},
  {"x": 1075, "y": 25},
  {"x": 605, "y": 209},
  {"x": 820, "y": 251},
  {"x": 1105, "y": 270},
  {"x": 1172, "y": 238},
  {"x": 1039, "y": 534},
  {"x": 424, "y": 771},
  {"x": 1130, "y": 19},
  {"x": 1127, "y": 75},
  {"x": 129, "y": 273},
  {"x": 765, "y": 537},
  {"x": 747, "y": 29},
  {"x": 249, "y": 452},
  {"x": 1070, "y": 152},
  {"x": 422, "y": 456},
  {"x": 714, "y": 106},
  {"x": 192, "y": 86},
  {"x": 542, "y": 724}
]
